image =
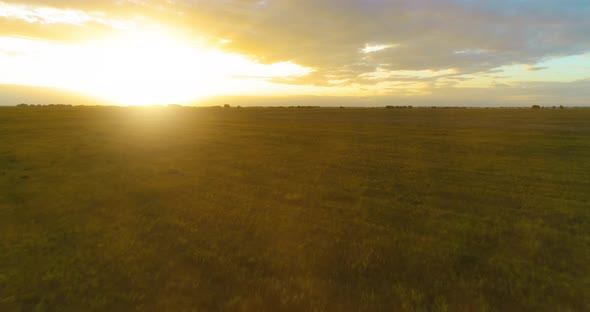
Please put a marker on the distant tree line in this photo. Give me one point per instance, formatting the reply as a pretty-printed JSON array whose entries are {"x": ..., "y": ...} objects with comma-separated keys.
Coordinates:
[
  {"x": 552, "y": 107},
  {"x": 398, "y": 107},
  {"x": 298, "y": 106},
  {"x": 52, "y": 105}
]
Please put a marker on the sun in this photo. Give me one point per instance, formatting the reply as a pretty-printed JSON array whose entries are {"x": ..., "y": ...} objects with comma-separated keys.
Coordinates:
[{"x": 148, "y": 68}]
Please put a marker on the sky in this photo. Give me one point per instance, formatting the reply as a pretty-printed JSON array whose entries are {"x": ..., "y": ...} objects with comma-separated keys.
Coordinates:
[{"x": 329, "y": 52}]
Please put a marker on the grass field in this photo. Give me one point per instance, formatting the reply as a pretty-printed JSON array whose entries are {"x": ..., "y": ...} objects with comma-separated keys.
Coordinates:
[{"x": 180, "y": 209}]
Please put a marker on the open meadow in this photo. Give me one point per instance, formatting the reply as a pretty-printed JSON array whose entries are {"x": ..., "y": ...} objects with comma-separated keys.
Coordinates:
[{"x": 287, "y": 209}]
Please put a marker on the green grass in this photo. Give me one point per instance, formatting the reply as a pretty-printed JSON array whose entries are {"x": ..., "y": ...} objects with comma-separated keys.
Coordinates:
[{"x": 274, "y": 209}]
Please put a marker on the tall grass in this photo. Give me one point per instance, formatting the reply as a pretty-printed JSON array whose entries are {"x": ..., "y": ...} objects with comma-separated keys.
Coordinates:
[{"x": 288, "y": 209}]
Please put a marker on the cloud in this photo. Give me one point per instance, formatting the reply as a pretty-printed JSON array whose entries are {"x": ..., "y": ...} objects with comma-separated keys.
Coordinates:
[
  {"x": 346, "y": 41},
  {"x": 500, "y": 85},
  {"x": 535, "y": 68},
  {"x": 329, "y": 36},
  {"x": 65, "y": 24},
  {"x": 15, "y": 94}
]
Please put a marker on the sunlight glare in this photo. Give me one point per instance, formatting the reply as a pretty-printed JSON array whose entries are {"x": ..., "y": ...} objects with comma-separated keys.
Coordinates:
[
  {"x": 147, "y": 69},
  {"x": 138, "y": 68}
]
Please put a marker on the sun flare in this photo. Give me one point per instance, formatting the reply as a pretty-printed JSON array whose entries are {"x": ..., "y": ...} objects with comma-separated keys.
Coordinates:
[
  {"x": 141, "y": 68},
  {"x": 148, "y": 68}
]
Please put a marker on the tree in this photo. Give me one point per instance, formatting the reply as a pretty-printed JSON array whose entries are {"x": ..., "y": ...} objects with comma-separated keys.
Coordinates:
[{"x": 536, "y": 107}]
